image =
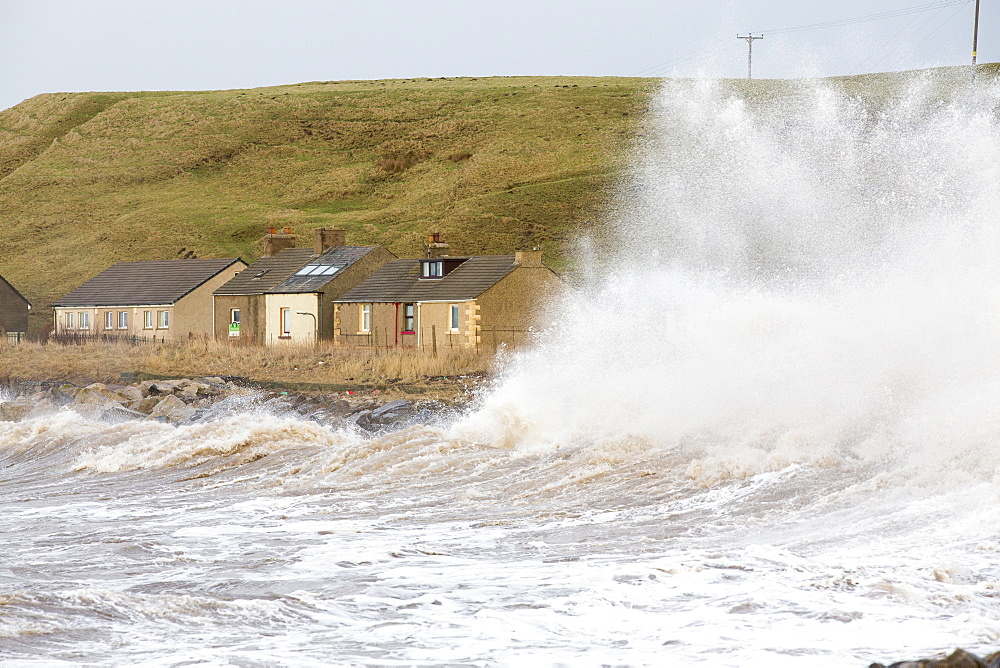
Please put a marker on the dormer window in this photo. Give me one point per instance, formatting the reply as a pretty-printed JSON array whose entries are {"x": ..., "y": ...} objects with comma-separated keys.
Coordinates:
[{"x": 432, "y": 269}]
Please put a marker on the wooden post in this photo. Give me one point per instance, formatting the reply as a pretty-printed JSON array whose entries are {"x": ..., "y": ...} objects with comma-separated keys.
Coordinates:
[{"x": 434, "y": 340}]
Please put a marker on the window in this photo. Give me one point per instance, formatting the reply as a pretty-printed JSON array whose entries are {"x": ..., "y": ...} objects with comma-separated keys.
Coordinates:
[
  {"x": 366, "y": 318},
  {"x": 122, "y": 319},
  {"x": 234, "y": 322},
  {"x": 69, "y": 321},
  {"x": 433, "y": 269},
  {"x": 454, "y": 317},
  {"x": 109, "y": 320},
  {"x": 286, "y": 323},
  {"x": 162, "y": 319},
  {"x": 84, "y": 320},
  {"x": 147, "y": 319},
  {"x": 408, "y": 317}
]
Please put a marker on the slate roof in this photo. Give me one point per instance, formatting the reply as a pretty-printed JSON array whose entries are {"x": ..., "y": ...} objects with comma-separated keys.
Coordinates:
[
  {"x": 399, "y": 281},
  {"x": 266, "y": 273},
  {"x": 340, "y": 257},
  {"x": 276, "y": 274},
  {"x": 15, "y": 291},
  {"x": 148, "y": 282}
]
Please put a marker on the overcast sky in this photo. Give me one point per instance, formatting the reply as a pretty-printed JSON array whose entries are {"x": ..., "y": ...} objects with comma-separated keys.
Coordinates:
[{"x": 84, "y": 45}]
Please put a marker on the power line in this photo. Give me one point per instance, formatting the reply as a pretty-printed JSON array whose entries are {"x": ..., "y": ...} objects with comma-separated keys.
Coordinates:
[
  {"x": 689, "y": 55},
  {"x": 935, "y": 6},
  {"x": 913, "y": 34},
  {"x": 946, "y": 22},
  {"x": 930, "y": 6}
]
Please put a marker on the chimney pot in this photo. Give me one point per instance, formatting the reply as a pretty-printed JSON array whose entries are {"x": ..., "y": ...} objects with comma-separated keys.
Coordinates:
[
  {"x": 274, "y": 242},
  {"x": 434, "y": 246}
]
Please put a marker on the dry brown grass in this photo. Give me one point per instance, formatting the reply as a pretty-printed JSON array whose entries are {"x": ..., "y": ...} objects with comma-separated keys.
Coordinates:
[
  {"x": 305, "y": 367},
  {"x": 396, "y": 163}
]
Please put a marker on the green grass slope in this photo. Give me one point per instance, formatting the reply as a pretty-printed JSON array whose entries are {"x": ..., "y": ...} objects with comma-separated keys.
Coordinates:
[{"x": 496, "y": 164}]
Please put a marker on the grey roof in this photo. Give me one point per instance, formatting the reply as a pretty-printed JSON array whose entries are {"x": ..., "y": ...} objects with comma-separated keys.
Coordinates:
[
  {"x": 15, "y": 291},
  {"x": 276, "y": 274},
  {"x": 266, "y": 272},
  {"x": 339, "y": 257},
  {"x": 147, "y": 282},
  {"x": 399, "y": 281}
]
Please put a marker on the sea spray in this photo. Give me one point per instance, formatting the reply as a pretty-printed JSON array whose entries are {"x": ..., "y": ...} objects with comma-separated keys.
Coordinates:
[{"x": 805, "y": 276}]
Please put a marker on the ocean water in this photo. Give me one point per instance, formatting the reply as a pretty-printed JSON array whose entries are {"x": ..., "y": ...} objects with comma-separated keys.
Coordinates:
[{"x": 763, "y": 429}]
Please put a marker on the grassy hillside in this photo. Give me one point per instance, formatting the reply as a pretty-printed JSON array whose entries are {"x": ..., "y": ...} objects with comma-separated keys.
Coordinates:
[{"x": 497, "y": 164}]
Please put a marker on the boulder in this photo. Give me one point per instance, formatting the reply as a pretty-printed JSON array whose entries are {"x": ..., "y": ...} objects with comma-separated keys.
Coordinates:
[
  {"x": 98, "y": 395},
  {"x": 171, "y": 408},
  {"x": 393, "y": 412},
  {"x": 194, "y": 389},
  {"x": 116, "y": 413},
  {"x": 15, "y": 411},
  {"x": 146, "y": 404},
  {"x": 66, "y": 392},
  {"x": 957, "y": 659},
  {"x": 132, "y": 392}
]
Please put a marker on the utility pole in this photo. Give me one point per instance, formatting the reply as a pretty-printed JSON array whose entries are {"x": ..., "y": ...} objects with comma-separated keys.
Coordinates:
[
  {"x": 750, "y": 38},
  {"x": 975, "y": 35}
]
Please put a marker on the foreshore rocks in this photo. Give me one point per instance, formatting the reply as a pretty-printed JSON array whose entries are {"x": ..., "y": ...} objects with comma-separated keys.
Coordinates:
[
  {"x": 186, "y": 400},
  {"x": 957, "y": 659}
]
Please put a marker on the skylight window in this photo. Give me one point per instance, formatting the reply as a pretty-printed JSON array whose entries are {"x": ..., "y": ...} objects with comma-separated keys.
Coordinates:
[{"x": 318, "y": 270}]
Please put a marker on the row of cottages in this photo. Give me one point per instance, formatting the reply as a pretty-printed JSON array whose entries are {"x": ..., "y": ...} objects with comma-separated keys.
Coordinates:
[
  {"x": 287, "y": 296},
  {"x": 162, "y": 299},
  {"x": 350, "y": 295},
  {"x": 13, "y": 311}
]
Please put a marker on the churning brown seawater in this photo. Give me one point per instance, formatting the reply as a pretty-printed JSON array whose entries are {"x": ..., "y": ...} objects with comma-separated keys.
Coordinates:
[{"x": 765, "y": 432}]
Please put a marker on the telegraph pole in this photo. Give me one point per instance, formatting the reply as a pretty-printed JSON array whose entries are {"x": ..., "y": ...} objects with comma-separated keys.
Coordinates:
[
  {"x": 750, "y": 38},
  {"x": 975, "y": 35}
]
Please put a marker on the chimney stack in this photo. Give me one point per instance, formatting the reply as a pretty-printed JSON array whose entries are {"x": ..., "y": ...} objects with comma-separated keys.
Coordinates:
[
  {"x": 529, "y": 258},
  {"x": 327, "y": 238},
  {"x": 275, "y": 242},
  {"x": 434, "y": 247}
]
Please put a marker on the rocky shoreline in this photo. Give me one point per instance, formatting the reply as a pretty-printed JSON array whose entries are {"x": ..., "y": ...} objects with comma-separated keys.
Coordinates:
[
  {"x": 189, "y": 400},
  {"x": 957, "y": 659}
]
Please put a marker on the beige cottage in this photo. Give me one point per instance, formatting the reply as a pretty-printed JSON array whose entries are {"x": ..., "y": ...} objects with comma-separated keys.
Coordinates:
[
  {"x": 162, "y": 299},
  {"x": 287, "y": 296},
  {"x": 447, "y": 302}
]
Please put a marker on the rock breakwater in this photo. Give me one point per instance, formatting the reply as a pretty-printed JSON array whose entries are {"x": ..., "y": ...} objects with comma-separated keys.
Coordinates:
[
  {"x": 957, "y": 659},
  {"x": 188, "y": 400}
]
